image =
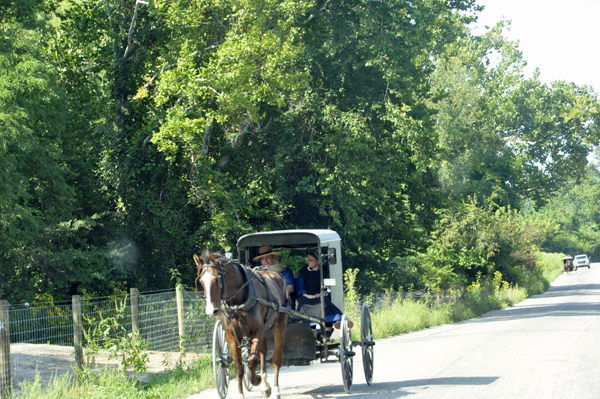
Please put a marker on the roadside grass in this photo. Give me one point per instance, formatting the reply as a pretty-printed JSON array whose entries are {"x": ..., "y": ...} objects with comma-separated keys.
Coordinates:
[
  {"x": 404, "y": 315},
  {"x": 483, "y": 296},
  {"x": 550, "y": 265},
  {"x": 392, "y": 317},
  {"x": 110, "y": 383},
  {"x": 178, "y": 382}
]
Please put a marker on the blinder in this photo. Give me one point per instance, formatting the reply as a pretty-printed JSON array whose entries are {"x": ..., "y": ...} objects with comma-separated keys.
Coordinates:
[{"x": 207, "y": 269}]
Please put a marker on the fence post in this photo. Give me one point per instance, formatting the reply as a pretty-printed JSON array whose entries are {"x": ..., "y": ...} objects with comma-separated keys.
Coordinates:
[
  {"x": 77, "y": 331},
  {"x": 180, "y": 314},
  {"x": 133, "y": 297},
  {"x": 5, "y": 381}
]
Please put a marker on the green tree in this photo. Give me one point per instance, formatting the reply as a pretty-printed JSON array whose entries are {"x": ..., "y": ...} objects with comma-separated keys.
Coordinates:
[
  {"x": 305, "y": 114},
  {"x": 503, "y": 136},
  {"x": 552, "y": 130},
  {"x": 573, "y": 211},
  {"x": 51, "y": 217}
]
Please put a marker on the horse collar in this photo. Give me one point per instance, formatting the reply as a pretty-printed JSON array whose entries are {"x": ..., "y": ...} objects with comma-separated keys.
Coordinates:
[{"x": 250, "y": 298}]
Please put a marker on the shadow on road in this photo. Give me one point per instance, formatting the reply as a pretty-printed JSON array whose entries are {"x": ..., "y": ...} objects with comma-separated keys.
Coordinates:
[
  {"x": 575, "y": 289},
  {"x": 396, "y": 388}
]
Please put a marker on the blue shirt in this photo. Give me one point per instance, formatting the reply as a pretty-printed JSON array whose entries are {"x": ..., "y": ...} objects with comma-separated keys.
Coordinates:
[{"x": 288, "y": 276}]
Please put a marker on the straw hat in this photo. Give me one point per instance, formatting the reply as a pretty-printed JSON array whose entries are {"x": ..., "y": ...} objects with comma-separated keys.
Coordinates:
[{"x": 265, "y": 250}]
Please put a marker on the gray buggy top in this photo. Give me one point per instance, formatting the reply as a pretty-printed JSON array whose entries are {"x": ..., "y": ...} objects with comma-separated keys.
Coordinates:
[{"x": 328, "y": 241}]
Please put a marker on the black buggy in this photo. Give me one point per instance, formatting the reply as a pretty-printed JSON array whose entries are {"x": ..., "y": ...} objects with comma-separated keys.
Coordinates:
[
  {"x": 308, "y": 338},
  {"x": 568, "y": 264}
]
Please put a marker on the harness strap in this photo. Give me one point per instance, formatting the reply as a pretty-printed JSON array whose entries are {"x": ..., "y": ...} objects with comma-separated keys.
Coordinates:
[
  {"x": 232, "y": 312},
  {"x": 260, "y": 278},
  {"x": 237, "y": 292},
  {"x": 237, "y": 340},
  {"x": 250, "y": 299}
]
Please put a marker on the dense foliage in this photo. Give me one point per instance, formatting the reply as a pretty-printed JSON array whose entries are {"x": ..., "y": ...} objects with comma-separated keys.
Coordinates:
[
  {"x": 574, "y": 215},
  {"x": 133, "y": 134}
]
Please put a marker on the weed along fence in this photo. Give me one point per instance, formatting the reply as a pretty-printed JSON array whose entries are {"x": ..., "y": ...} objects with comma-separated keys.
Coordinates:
[{"x": 55, "y": 337}]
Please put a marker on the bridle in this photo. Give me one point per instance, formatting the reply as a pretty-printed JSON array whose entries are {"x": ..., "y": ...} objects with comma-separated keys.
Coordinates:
[
  {"x": 220, "y": 277},
  {"x": 221, "y": 283}
]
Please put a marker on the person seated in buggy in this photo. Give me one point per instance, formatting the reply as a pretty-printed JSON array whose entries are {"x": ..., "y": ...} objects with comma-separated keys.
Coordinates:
[
  {"x": 270, "y": 259},
  {"x": 308, "y": 291}
]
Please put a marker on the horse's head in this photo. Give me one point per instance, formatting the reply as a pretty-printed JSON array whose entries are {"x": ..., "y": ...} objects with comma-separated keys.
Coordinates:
[{"x": 210, "y": 275}]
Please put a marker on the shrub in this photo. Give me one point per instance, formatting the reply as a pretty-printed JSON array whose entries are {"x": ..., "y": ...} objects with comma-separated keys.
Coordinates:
[{"x": 471, "y": 241}]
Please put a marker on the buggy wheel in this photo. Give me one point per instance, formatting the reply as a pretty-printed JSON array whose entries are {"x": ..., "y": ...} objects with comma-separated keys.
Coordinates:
[
  {"x": 366, "y": 342},
  {"x": 247, "y": 384},
  {"x": 221, "y": 360},
  {"x": 346, "y": 354}
]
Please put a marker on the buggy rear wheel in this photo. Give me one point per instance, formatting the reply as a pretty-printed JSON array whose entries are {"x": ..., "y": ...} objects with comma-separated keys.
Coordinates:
[
  {"x": 221, "y": 360},
  {"x": 366, "y": 342},
  {"x": 346, "y": 354}
]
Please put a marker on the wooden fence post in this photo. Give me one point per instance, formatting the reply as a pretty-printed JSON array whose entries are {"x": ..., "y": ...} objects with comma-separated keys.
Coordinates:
[
  {"x": 180, "y": 314},
  {"x": 5, "y": 381},
  {"x": 133, "y": 298},
  {"x": 77, "y": 331}
]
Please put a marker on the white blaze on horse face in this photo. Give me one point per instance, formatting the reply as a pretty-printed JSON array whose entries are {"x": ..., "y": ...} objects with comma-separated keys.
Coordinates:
[{"x": 207, "y": 280}]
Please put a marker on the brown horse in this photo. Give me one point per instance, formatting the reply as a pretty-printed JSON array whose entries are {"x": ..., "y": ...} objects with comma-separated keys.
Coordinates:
[{"x": 241, "y": 297}]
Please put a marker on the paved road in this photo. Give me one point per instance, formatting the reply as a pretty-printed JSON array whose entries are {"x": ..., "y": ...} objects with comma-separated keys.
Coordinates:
[{"x": 543, "y": 348}]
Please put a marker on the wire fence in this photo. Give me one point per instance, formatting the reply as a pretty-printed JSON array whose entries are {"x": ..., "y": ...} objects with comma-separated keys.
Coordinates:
[{"x": 42, "y": 338}]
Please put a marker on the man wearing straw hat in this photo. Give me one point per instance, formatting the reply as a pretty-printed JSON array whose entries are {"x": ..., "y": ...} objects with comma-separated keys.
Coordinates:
[{"x": 270, "y": 259}]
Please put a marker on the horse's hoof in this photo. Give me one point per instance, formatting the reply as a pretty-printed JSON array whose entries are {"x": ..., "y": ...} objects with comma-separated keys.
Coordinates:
[
  {"x": 265, "y": 388},
  {"x": 276, "y": 393},
  {"x": 240, "y": 396}
]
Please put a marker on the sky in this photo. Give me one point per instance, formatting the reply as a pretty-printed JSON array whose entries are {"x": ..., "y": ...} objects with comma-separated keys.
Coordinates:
[{"x": 561, "y": 38}]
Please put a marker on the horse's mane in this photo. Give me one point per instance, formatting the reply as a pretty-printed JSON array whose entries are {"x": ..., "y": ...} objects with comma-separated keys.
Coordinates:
[{"x": 210, "y": 257}]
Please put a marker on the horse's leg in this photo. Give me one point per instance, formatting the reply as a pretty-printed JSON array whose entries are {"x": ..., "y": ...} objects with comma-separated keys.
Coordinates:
[
  {"x": 279, "y": 339},
  {"x": 237, "y": 361},
  {"x": 265, "y": 387},
  {"x": 253, "y": 362}
]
